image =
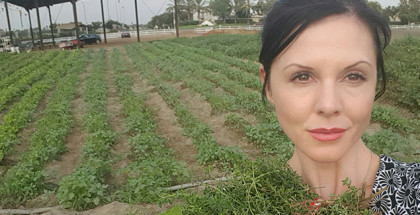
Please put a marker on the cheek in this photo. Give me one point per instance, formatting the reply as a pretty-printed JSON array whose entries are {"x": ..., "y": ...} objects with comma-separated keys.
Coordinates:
[
  {"x": 359, "y": 111},
  {"x": 291, "y": 111}
]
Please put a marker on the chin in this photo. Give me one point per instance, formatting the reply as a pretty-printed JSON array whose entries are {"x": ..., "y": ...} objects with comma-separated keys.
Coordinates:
[{"x": 327, "y": 154}]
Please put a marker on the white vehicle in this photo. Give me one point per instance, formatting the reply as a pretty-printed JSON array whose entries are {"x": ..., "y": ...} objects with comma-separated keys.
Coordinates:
[{"x": 7, "y": 46}]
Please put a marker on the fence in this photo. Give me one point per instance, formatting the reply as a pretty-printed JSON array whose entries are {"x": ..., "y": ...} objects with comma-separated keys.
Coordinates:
[
  {"x": 249, "y": 28},
  {"x": 404, "y": 26},
  {"x": 143, "y": 33}
]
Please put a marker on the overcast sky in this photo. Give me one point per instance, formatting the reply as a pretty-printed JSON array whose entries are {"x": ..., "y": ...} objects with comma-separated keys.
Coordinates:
[{"x": 90, "y": 10}]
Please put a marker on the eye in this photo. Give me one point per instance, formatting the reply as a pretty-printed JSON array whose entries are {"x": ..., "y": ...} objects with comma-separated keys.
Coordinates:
[
  {"x": 301, "y": 77},
  {"x": 354, "y": 77}
]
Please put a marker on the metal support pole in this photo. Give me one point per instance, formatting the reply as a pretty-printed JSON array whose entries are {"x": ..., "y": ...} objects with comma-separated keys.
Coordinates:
[
  {"x": 137, "y": 22},
  {"x": 103, "y": 19},
  {"x": 176, "y": 18},
  {"x": 39, "y": 24},
  {"x": 30, "y": 27},
  {"x": 51, "y": 25},
  {"x": 8, "y": 23},
  {"x": 76, "y": 22}
]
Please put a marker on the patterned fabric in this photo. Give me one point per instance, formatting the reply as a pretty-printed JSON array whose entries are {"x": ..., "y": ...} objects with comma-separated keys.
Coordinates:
[{"x": 402, "y": 182}]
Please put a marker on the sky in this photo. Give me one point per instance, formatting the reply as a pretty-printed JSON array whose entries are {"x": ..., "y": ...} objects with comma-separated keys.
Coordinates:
[{"x": 90, "y": 10}]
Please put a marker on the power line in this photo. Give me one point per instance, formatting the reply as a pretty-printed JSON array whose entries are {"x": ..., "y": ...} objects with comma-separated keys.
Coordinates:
[
  {"x": 162, "y": 6},
  {"x": 148, "y": 8},
  {"x": 55, "y": 21}
]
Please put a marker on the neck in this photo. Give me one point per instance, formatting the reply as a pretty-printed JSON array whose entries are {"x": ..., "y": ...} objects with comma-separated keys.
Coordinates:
[{"x": 358, "y": 164}]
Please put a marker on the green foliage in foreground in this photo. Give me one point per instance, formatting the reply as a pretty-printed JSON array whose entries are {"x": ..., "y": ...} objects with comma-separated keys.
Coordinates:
[{"x": 268, "y": 186}]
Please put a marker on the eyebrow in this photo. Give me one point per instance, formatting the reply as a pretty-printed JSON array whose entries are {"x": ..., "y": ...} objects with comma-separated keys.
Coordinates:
[
  {"x": 298, "y": 65},
  {"x": 357, "y": 63},
  {"x": 310, "y": 68}
]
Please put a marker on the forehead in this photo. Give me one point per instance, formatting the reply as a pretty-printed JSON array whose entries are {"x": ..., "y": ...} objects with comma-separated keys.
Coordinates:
[{"x": 339, "y": 36}]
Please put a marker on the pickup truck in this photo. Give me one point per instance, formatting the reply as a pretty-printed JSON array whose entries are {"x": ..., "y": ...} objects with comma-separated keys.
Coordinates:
[{"x": 70, "y": 44}]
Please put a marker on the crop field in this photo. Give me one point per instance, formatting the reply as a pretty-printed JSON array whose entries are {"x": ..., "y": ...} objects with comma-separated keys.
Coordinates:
[{"x": 84, "y": 129}]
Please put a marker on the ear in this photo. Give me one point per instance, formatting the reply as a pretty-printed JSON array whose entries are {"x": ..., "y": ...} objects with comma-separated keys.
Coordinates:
[
  {"x": 267, "y": 88},
  {"x": 262, "y": 73}
]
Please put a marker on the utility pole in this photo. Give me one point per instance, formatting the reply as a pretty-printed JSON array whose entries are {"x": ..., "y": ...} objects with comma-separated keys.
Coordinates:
[
  {"x": 8, "y": 23},
  {"x": 103, "y": 19},
  {"x": 137, "y": 21},
  {"x": 76, "y": 22},
  {"x": 176, "y": 18},
  {"x": 249, "y": 11},
  {"x": 39, "y": 25}
]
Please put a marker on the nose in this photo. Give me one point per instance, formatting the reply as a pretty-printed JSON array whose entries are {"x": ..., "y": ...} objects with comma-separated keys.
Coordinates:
[{"x": 329, "y": 101}]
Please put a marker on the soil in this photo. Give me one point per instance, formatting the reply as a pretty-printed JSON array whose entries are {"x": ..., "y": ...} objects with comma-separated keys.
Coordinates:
[
  {"x": 399, "y": 33},
  {"x": 24, "y": 135},
  {"x": 168, "y": 126},
  {"x": 74, "y": 141},
  {"x": 224, "y": 135},
  {"x": 114, "y": 108}
]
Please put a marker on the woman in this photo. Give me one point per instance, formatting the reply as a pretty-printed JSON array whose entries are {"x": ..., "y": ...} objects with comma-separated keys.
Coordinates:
[{"x": 321, "y": 62}]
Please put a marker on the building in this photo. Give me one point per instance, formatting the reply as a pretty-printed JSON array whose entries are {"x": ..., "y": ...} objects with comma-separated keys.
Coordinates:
[{"x": 70, "y": 27}]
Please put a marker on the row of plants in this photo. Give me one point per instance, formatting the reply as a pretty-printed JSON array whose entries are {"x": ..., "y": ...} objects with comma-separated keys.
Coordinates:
[
  {"x": 267, "y": 134},
  {"x": 246, "y": 79},
  {"x": 244, "y": 65},
  {"x": 26, "y": 179},
  {"x": 13, "y": 65},
  {"x": 154, "y": 166},
  {"x": 390, "y": 117},
  {"x": 195, "y": 73},
  {"x": 19, "y": 87},
  {"x": 235, "y": 45},
  {"x": 209, "y": 152},
  {"x": 85, "y": 187},
  {"x": 402, "y": 67},
  {"x": 20, "y": 113},
  {"x": 26, "y": 70}
]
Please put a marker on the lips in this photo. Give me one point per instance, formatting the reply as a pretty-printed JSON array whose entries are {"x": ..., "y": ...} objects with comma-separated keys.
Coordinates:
[{"x": 325, "y": 134}]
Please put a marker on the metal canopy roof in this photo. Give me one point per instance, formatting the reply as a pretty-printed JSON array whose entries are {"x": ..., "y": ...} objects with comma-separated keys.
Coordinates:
[{"x": 31, "y": 4}]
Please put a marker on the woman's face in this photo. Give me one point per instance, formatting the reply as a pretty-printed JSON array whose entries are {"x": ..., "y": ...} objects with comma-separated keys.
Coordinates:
[{"x": 323, "y": 87}]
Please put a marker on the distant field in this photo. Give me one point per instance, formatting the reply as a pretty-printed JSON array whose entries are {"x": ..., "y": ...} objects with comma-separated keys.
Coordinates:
[{"x": 82, "y": 129}]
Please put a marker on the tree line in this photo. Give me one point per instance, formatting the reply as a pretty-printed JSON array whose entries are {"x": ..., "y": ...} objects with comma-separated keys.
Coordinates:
[
  {"x": 240, "y": 11},
  {"x": 233, "y": 11},
  {"x": 408, "y": 11}
]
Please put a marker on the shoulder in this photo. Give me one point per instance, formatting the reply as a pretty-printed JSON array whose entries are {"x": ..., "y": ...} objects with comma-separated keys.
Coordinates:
[{"x": 397, "y": 187}]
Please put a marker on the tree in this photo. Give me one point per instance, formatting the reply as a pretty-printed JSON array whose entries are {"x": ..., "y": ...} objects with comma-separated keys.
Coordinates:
[
  {"x": 221, "y": 8},
  {"x": 262, "y": 7},
  {"x": 110, "y": 24},
  {"x": 409, "y": 11},
  {"x": 96, "y": 25},
  {"x": 199, "y": 5},
  {"x": 162, "y": 20},
  {"x": 239, "y": 7},
  {"x": 188, "y": 6},
  {"x": 391, "y": 12},
  {"x": 375, "y": 6}
]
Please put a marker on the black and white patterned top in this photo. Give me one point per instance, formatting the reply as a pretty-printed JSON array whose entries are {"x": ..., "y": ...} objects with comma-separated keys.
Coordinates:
[{"x": 402, "y": 182}]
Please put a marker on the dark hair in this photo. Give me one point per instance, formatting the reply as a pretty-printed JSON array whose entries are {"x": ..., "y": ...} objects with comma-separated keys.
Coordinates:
[{"x": 288, "y": 18}]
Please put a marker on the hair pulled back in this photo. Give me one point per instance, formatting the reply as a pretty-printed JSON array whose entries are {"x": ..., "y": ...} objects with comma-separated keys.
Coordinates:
[{"x": 288, "y": 18}]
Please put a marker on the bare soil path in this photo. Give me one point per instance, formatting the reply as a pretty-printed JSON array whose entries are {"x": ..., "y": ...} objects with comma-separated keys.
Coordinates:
[
  {"x": 24, "y": 135},
  {"x": 114, "y": 109},
  {"x": 168, "y": 126},
  {"x": 57, "y": 169},
  {"x": 223, "y": 134}
]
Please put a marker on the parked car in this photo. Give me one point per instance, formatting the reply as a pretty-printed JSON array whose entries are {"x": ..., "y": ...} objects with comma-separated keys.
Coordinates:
[
  {"x": 90, "y": 38},
  {"x": 125, "y": 34}
]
